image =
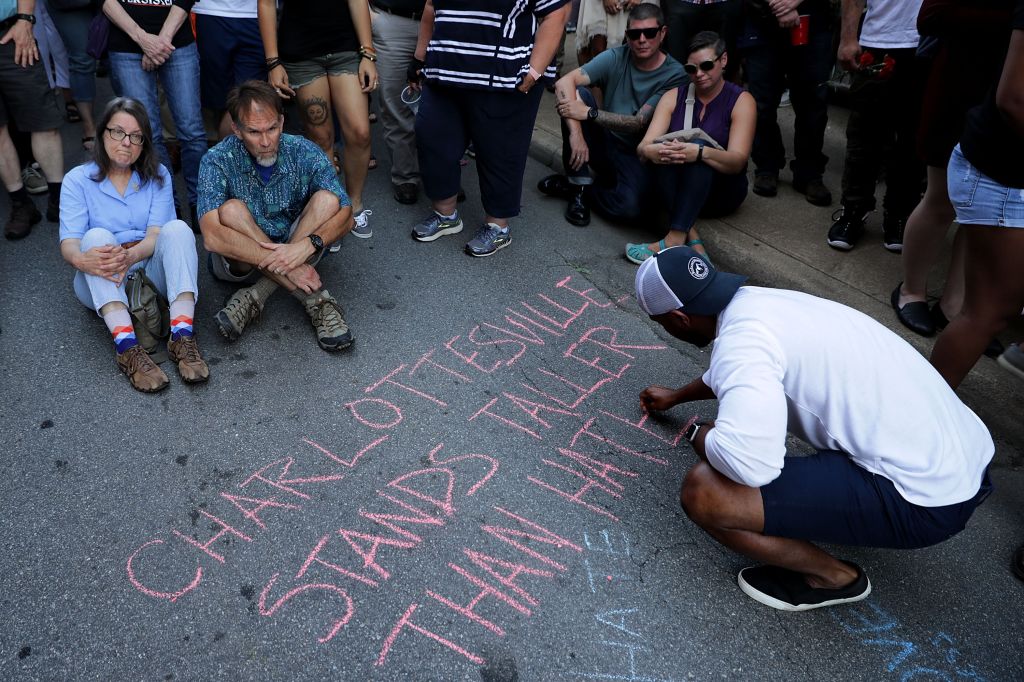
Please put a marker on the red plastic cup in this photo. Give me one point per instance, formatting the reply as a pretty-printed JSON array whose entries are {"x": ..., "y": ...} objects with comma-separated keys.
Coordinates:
[{"x": 801, "y": 33}]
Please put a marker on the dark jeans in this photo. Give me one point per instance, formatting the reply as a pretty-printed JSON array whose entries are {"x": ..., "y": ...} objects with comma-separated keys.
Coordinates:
[
  {"x": 696, "y": 189},
  {"x": 622, "y": 180},
  {"x": 880, "y": 134},
  {"x": 685, "y": 20},
  {"x": 771, "y": 65}
]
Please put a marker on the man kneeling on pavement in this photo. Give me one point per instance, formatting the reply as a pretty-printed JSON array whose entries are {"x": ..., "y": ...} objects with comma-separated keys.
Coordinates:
[
  {"x": 269, "y": 203},
  {"x": 604, "y": 139},
  {"x": 900, "y": 461}
]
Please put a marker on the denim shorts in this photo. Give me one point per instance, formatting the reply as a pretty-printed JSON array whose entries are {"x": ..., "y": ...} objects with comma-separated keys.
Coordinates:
[
  {"x": 304, "y": 72},
  {"x": 980, "y": 200},
  {"x": 826, "y": 497}
]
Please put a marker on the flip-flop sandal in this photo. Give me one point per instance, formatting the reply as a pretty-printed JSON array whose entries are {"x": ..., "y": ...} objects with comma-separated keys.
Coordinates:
[
  {"x": 699, "y": 242},
  {"x": 373, "y": 117},
  {"x": 88, "y": 143},
  {"x": 72, "y": 113},
  {"x": 638, "y": 253}
]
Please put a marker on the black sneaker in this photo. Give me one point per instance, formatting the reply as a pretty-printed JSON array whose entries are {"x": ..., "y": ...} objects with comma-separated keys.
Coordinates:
[
  {"x": 893, "y": 228},
  {"x": 847, "y": 229},
  {"x": 814, "y": 190},
  {"x": 786, "y": 590},
  {"x": 53, "y": 208},
  {"x": 766, "y": 184}
]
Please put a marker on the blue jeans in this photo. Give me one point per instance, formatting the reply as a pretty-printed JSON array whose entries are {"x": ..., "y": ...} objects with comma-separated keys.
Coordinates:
[
  {"x": 622, "y": 180},
  {"x": 696, "y": 189},
  {"x": 179, "y": 76},
  {"x": 73, "y": 27}
]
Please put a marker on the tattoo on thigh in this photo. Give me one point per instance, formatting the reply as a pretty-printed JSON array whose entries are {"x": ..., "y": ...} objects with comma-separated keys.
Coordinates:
[{"x": 315, "y": 110}]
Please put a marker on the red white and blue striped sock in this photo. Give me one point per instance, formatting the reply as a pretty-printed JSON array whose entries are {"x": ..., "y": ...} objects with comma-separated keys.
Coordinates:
[
  {"x": 119, "y": 322},
  {"x": 181, "y": 318}
]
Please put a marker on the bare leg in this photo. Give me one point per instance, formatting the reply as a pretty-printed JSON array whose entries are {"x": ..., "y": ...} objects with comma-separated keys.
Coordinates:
[
  {"x": 953, "y": 293},
  {"x": 733, "y": 514},
  {"x": 47, "y": 149},
  {"x": 10, "y": 167},
  {"x": 993, "y": 295},
  {"x": 314, "y": 102},
  {"x": 353, "y": 115},
  {"x": 924, "y": 236},
  {"x": 443, "y": 206}
]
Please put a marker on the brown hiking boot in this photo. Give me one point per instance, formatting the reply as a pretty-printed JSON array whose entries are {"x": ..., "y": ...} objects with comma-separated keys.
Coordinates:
[
  {"x": 23, "y": 217},
  {"x": 142, "y": 372},
  {"x": 191, "y": 366},
  {"x": 328, "y": 319},
  {"x": 241, "y": 308}
]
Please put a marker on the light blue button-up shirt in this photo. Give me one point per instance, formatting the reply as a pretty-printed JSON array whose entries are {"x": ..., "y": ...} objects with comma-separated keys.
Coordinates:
[{"x": 85, "y": 204}]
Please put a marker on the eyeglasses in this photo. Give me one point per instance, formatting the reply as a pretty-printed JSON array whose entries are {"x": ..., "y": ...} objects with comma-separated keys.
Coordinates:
[
  {"x": 704, "y": 66},
  {"x": 650, "y": 33},
  {"x": 116, "y": 134}
]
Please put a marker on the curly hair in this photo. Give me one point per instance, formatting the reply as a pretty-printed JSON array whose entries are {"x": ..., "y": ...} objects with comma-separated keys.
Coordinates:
[{"x": 147, "y": 164}]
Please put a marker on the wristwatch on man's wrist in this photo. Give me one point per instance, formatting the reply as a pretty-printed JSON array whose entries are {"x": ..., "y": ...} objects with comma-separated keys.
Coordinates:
[
  {"x": 318, "y": 244},
  {"x": 30, "y": 18},
  {"x": 592, "y": 114},
  {"x": 692, "y": 430}
]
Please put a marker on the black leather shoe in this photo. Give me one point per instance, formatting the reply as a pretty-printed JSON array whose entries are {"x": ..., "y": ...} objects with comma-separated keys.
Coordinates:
[
  {"x": 557, "y": 186},
  {"x": 915, "y": 316},
  {"x": 766, "y": 184},
  {"x": 814, "y": 190},
  {"x": 577, "y": 211},
  {"x": 406, "y": 192}
]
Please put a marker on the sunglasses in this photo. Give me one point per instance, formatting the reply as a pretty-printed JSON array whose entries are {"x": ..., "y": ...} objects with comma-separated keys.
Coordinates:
[
  {"x": 704, "y": 66},
  {"x": 649, "y": 33}
]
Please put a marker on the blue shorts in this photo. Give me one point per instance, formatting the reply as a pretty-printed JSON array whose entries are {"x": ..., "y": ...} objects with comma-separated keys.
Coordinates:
[
  {"x": 980, "y": 200},
  {"x": 230, "y": 52},
  {"x": 826, "y": 497}
]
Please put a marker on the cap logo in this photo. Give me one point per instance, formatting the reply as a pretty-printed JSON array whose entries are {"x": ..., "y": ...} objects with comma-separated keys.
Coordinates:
[{"x": 698, "y": 268}]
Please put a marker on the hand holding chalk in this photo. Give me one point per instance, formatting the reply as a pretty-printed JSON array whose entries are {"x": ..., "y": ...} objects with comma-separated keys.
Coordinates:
[{"x": 658, "y": 398}]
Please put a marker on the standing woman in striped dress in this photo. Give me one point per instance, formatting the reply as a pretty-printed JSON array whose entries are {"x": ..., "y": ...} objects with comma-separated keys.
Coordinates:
[{"x": 480, "y": 62}]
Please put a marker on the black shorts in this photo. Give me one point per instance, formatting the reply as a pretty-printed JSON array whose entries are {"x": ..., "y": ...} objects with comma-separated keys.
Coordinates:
[
  {"x": 826, "y": 497},
  {"x": 25, "y": 95}
]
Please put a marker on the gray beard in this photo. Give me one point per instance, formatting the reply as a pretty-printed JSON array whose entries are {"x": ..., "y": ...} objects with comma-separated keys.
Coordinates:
[{"x": 268, "y": 161}]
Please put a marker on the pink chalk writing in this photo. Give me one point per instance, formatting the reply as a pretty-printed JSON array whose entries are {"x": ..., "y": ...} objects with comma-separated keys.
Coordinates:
[
  {"x": 158, "y": 594},
  {"x": 406, "y": 622},
  {"x": 295, "y": 591},
  {"x": 396, "y": 414},
  {"x": 601, "y": 469},
  {"x": 225, "y": 527}
]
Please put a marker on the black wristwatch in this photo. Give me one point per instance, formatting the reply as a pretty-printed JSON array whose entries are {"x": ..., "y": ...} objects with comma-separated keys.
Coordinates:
[
  {"x": 692, "y": 430},
  {"x": 30, "y": 18},
  {"x": 592, "y": 114},
  {"x": 318, "y": 244}
]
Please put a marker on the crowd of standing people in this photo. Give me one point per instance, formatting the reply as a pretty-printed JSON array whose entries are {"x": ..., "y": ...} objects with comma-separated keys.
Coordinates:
[{"x": 670, "y": 105}]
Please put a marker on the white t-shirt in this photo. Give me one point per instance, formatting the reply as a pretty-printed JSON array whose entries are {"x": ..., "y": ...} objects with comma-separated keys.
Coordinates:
[
  {"x": 890, "y": 24},
  {"x": 234, "y": 9},
  {"x": 839, "y": 381}
]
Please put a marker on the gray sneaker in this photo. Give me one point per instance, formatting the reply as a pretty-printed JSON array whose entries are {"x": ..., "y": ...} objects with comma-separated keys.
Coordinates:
[
  {"x": 33, "y": 180},
  {"x": 435, "y": 226},
  {"x": 488, "y": 240},
  {"x": 362, "y": 227},
  {"x": 1012, "y": 360},
  {"x": 327, "y": 318},
  {"x": 241, "y": 309}
]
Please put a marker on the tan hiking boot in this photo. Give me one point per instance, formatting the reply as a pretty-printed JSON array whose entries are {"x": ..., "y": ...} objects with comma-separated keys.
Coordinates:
[
  {"x": 242, "y": 308},
  {"x": 328, "y": 319},
  {"x": 142, "y": 372},
  {"x": 191, "y": 366}
]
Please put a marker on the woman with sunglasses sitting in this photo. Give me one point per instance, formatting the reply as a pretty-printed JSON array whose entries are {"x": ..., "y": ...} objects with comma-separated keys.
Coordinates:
[
  {"x": 696, "y": 178},
  {"x": 116, "y": 217}
]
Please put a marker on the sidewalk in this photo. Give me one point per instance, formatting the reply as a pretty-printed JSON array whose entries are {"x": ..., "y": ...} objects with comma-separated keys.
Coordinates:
[{"x": 780, "y": 242}]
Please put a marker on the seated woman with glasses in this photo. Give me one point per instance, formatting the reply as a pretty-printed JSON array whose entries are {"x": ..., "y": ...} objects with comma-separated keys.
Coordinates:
[
  {"x": 116, "y": 217},
  {"x": 697, "y": 178}
]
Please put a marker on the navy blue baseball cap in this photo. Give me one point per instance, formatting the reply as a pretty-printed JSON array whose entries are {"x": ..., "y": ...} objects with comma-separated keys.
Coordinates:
[{"x": 680, "y": 278}]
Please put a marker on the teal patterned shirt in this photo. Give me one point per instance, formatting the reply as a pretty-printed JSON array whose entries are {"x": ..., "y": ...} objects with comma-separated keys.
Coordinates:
[{"x": 228, "y": 171}]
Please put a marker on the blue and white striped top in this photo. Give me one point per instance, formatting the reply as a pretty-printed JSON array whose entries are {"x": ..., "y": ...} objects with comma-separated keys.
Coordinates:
[{"x": 485, "y": 44}]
